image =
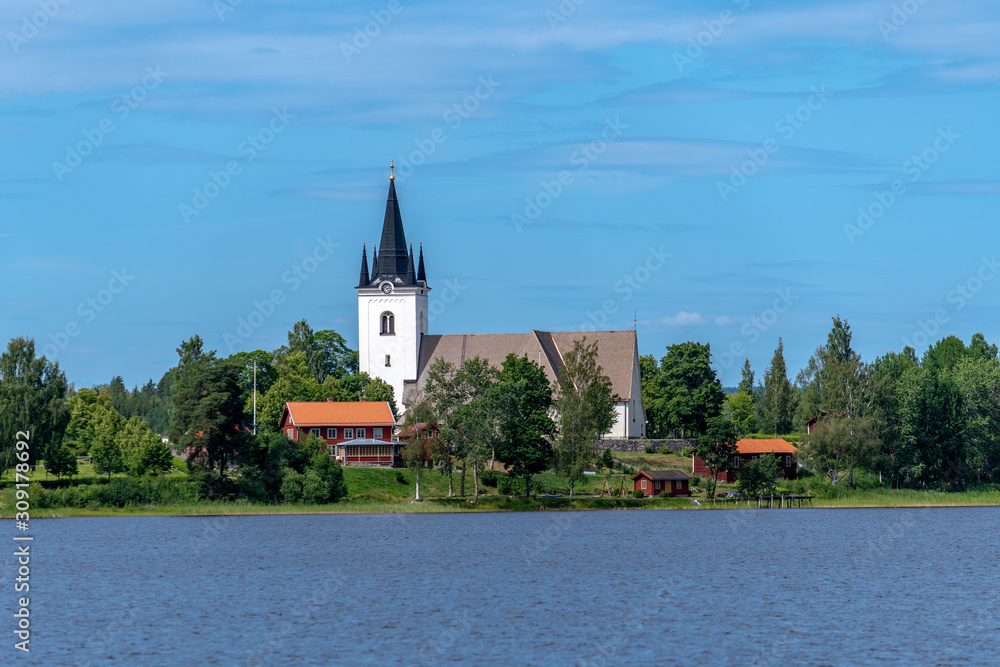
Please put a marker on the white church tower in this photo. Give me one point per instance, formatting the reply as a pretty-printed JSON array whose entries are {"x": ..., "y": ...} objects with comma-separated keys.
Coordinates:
[{"x": 392, "y": 305}]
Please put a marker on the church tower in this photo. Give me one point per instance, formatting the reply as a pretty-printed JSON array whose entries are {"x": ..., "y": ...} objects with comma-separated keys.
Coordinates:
[{"x": 392, "y": 305}]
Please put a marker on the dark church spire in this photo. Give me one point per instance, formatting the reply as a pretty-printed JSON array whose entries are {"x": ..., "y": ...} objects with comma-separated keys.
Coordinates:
[
  {"x": 374, "y": 262},
  {"x": 393, "y": 262},
  {"x": 411, "y": 274},
  {"x": 421, "y": 274},
  {"x": 364, "y": 266}
]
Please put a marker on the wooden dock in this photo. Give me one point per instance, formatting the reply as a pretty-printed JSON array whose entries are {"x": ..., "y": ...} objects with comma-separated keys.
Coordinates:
[{"x": 770, "y": 500}]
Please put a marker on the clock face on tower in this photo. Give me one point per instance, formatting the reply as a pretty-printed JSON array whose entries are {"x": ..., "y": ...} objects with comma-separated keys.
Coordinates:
[{"x": 387, "y": 288}]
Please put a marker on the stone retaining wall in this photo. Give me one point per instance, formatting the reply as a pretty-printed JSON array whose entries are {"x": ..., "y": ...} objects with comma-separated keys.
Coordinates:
[{"x": 639, "y": 446}]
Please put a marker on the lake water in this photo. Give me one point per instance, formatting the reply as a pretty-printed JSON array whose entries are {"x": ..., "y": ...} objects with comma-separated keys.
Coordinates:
[{"x": 743, "y": 587}]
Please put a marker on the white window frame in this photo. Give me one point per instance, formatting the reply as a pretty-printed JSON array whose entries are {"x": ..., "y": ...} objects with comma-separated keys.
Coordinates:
[
  {"x": 314, "y": 431},
  {"x": 643, "y": 486},
  {"x": 291, "y": 433},
  {"x": 377, "y": 432},
  {"x": 348, "y": 433},
  {"x": 331, "y": 432},
  {"x": 359, "y": 433}
]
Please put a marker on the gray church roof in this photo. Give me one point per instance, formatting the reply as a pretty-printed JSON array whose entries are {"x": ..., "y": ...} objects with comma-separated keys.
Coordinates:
[{"x": 617, "y": 351}]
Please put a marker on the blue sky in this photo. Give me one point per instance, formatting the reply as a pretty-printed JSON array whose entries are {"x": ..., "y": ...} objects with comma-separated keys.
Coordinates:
[{"x": 173, "y": 167}]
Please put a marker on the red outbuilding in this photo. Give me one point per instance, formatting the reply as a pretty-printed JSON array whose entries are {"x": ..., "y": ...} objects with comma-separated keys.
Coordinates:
[
  {"x": 356, "y": 433},
  {"x": 750, "y": 449},
  {"x": 655, "y": 482}
]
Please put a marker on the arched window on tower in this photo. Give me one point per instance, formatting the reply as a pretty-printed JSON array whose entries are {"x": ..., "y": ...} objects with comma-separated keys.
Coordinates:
[{"x": 388, "y": 324}]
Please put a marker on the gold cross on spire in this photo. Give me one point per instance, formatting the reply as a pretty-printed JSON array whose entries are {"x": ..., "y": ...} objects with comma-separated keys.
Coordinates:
[{"x": 392, "y": 175}]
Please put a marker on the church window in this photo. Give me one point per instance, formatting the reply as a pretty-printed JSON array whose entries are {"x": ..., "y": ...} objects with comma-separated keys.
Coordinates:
[
  {"x": 388, "y": 324},
  {"x": 387, "y": 364}
]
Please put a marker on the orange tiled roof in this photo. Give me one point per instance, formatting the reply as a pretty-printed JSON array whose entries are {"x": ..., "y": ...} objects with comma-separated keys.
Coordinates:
[
  {"x": 332, "y": 413},
  {"x": 765, "y": 446}
]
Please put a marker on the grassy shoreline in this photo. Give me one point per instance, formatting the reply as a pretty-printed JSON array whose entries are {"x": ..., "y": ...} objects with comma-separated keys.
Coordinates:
[{"x": 492, "y": 503}]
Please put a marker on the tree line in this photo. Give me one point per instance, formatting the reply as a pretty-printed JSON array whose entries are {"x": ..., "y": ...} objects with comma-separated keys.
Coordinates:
[{"x": 927, "y": 422}]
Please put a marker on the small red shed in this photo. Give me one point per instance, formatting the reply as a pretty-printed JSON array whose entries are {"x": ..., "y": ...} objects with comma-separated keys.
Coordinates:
[{"x": 655, "y": 482}]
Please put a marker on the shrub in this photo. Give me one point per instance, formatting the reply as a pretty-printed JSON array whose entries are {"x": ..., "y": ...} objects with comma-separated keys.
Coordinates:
[
  {"x": 638, "y": 493},
  {"x": 649, "y": 449},
  {"x": 507, "y": 485},
  {"x": 607, "y": 459},
  {"x": 291, "y": 486},
  {"x": 489, "y": 478},
  {"x": 666, "y": 494},
  {"x": 400, "y": 477},
  {"x": 665, "y": 450}
]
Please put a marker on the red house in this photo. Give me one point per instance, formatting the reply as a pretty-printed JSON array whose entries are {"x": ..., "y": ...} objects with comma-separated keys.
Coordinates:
[
  {"x": 356, "y": 433},
  {"x": 655, "y": 482},
  {"x": 748, "y": 450}
]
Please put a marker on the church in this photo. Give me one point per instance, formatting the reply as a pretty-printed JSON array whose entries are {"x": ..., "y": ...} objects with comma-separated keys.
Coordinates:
[{"x": 394, "y": 343}]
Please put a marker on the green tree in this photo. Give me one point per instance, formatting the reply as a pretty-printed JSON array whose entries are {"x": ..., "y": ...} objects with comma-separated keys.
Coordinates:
[
  {"x": 777, "y": 404},
  {"x": 460, "y": 400},
  {"x": 746, "y": 385},
  {"x": 717, "y": 447},
  {"x": 33, "y": 394},
  {"x": 324, "y": 481},
  {"x": 978, "y": 380},
  {"x": 379, "y": 390},
  {"x": 586, "y": 410},
  {"x": 295, "y": 383},
  {"x": 105, "y": 449},
  {"x": 739, "y": 409},
  {"x": 142, "y": 450},
  {"x": 326, "y": 352},
  {"x": 415, "y": 456},
  {"x": 207, "y": 413},
  {"x": 689, "y": 391},
  {"x": 652, "y": 395},
  {"x": 839, "y": 444},
  {"x": 61, "y": 462},
  {"x": 759, "y": 477},
  {"x": 519, "y": 405}
]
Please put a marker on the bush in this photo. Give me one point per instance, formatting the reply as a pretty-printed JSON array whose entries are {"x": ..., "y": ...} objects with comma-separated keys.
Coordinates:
[
  {"x": 291, "y": 486},
  {"x": 666, "y": 494},
  {"x": 607, "y": 459},
  {"x": 489, "y": 478},
  {"x": 666, "y": 450},
  {"x": 508, "y": 486},
  {"x": 400, "y": 477},
  {"x": 638, "y": 494},
  {"x": 649, "y": 449}
]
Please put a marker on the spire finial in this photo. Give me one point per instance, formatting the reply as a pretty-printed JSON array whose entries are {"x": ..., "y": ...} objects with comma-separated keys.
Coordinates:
[{"x": 392, "y": 174}]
